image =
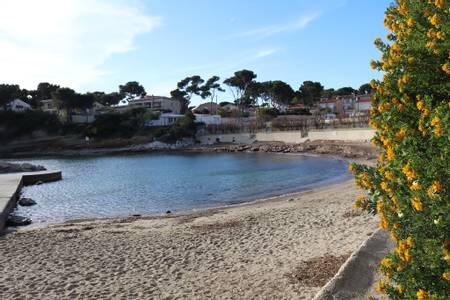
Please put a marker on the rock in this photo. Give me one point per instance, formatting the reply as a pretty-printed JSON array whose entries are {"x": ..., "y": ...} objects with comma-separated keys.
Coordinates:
[
  {"x": 136, "y": 215},
  {"x": 38, "y": 182},
  {"x": 27, "y": 202},
  {"x": 168, "y": 212},
  {"x": 290, "y": 200},
  {"x": 14, "y": 220},
  {"x": 24, "y": 167}
]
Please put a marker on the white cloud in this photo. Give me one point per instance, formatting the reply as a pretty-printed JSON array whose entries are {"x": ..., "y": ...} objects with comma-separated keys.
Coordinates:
[
  {"x": 65, "y": 42},
  {"x": 265, "y": 52},
  {"x": 267, "y": 31}
]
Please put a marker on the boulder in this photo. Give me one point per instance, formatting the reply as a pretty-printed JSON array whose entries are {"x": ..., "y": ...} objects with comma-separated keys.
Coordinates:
[
  {"x": 14, "y": 220},
  {"x": 27, "y": 202}
]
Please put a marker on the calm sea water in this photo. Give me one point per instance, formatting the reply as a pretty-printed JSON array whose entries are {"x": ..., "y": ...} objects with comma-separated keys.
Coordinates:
[{"x": 154, "y": 183}]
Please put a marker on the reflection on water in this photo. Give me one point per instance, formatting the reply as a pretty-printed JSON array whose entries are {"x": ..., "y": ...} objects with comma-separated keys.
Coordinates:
[{"x": 153, "y": 183}]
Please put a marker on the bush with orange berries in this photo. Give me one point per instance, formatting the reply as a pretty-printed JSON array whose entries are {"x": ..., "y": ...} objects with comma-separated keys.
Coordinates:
[{"x": 409, "y": 188}]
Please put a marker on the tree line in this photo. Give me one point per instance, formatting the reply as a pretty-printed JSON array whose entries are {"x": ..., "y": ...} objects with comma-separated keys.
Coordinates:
[
  {"x": 247, "y": 91},
  {"x": 243, "y": 86}
]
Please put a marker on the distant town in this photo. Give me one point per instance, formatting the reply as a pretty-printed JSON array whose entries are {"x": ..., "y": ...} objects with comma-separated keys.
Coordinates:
[{"x": 255, "y": 106}]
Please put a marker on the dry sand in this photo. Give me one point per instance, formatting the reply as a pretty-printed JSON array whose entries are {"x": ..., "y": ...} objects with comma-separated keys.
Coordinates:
[{"x": 277, "y": 249}]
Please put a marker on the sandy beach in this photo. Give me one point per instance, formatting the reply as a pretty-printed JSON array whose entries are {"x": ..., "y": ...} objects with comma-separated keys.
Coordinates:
[{"x": 283, "y": 248}]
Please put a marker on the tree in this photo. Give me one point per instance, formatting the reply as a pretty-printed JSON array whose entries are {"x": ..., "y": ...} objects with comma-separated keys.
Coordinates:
[
  {"x": 132, "y": 90},
  {"x": 365, "y": 89},
  {"x": 345, "y": 91},
  {"x": 186, "y": 89},
  {"x": 310, "y": 92},
  {"x": 9, "y": 92},
  {"x": 65, "y": 98},
  {"x": 281, "y": 93},
  {"x": 211, "y": 88},
  {"x": 239, "y": 84},
  {"x": 107, "y": 99},
  {"x": 328, "y": 93},
  {"x": 181, "y": 96},
  {"x": 44, "y": 90},
  {"x": 84, "y": 101},
  {"x": 409, "y": 187}
]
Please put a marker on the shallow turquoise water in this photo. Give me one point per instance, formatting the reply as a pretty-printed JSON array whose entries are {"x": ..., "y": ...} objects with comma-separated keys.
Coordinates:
[{"x": 154, "y": 183}]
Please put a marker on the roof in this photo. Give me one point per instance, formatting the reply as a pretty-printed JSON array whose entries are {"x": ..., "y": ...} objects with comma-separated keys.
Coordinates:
[
  {"x": 20, "y": 102},
  {"x": 364, "y": 98},
  {"x": 207, "y": 105},
  {"x": 297, "y": 106}
]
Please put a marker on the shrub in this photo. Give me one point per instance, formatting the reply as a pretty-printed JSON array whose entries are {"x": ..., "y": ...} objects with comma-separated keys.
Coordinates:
[
  {"x": 266, "y": 113},
  {"x": 409, "y": 186},
  {"x": 18, "y": 124},
  {"x": 183, "y": 127}
]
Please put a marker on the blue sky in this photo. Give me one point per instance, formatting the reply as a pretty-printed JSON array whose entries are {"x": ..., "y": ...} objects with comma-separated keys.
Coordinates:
[{"x": 99, "y": 44}]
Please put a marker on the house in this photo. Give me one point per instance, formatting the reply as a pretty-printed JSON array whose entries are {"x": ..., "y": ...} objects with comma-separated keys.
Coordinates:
[
  {"x": 49, "y": 106},
  {"x": 18, "y": 105},
  {"x": 159, "y": 103},
  {"x": 206, "y": 108},
  {"x": 347, "y": 105},
  {"x": 229, "y": 107},
  {"x": 328, "y": 103},
  {"x": 363, "y": 103},
  {"x": 298, "y": 108},
  {"x": 164, "y": 120}
]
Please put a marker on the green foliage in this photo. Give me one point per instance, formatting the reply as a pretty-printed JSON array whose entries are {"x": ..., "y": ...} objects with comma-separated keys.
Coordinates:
[
  {"x": 345, "y": 91},
  {"x": 310, "y": 92},
  {"x": 123, "y": 125},
  {"x": 8, "y": 92},
  {"x": 182, "y": 128},
  {"x": 365, "y": 89},
  {"x": 131, "y": 90},
  {"x": 14, "y": 125},
  {"x": 239, "y": 84},
  {"x": 409, "y": 187},
  {"x": 266, "y": 113},
  {"x": 190, "y": 86}
]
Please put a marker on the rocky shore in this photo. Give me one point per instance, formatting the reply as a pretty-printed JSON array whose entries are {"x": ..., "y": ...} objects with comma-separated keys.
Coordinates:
[
  {"x": 339, "y": 148},
  {"x": 16, "y": 168}
]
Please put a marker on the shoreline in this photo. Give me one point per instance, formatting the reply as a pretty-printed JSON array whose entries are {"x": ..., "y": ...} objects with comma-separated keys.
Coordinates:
[
  {"x": 191, "y": 211},
  {"x": 345, "y": 149},
  {"x": 248, "y": 250},
  {"x": 272, "y": 196}
]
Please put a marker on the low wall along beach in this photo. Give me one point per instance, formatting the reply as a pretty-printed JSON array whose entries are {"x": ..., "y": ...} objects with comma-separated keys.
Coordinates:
[{"x": 290, "y": 137}]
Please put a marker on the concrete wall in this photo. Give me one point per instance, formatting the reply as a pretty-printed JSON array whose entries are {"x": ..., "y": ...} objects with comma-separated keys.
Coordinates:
[
  {"x": 11, "y": 184},
  {"x": 292, "y": 137},
  {"x": 83, "y": 119}
]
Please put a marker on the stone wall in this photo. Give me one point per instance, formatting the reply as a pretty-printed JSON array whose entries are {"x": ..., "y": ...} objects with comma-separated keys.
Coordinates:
[{"x": 291, "y": 137}]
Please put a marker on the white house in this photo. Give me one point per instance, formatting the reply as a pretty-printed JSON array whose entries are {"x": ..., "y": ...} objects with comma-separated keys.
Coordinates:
[
  {"x": 159, "y": 103},
  {"x": 363, "y": 103},
  {"x": 18, "y": 105},
  {"x": 164, "y": 120}
]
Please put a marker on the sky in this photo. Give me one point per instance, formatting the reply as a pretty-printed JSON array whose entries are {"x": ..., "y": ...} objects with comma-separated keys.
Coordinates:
[{"x": 96, "y": 45}]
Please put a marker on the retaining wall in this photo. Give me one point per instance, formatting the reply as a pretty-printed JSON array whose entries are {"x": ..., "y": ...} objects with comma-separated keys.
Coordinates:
[{"x": 290, "y": 137}]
